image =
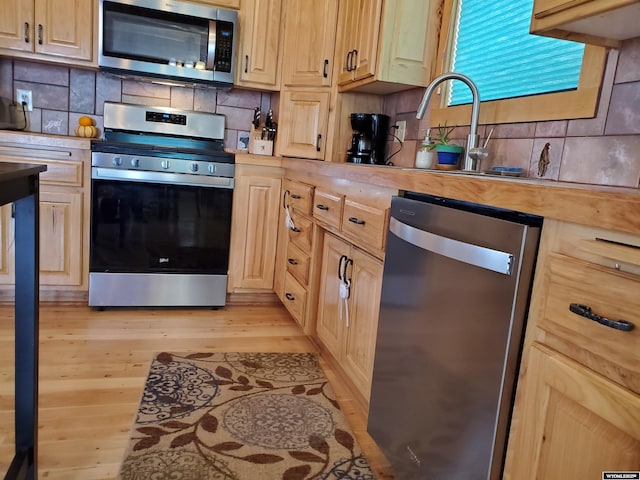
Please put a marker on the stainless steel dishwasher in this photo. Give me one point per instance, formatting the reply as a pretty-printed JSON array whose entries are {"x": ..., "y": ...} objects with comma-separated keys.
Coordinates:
[{"x": 455, "y": 293}]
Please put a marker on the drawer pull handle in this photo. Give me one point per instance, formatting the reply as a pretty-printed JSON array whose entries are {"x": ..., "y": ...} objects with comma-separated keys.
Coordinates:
[
  {"x": 296, "y": 230},
  {"x": 292, "y": 261},
  {"x": 585, "y": 311},
  {"x": 322, "y": 207},
  {"x": 356, "y": 220},
  {"x": 290, "y": 297},
  {"x": 295, "y": 197}
]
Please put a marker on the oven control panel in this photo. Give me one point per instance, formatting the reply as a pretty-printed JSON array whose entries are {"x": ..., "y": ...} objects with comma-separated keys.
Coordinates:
[{"x": 161, "y": 117}]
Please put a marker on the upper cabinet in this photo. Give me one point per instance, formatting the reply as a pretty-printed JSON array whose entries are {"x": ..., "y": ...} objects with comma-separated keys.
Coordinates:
[
  {"x": 259, "y": 46},
  {"x": 385, "y": 47},
  {"x": 598, "y": 22},
  {"x": 309, "y": 43},
  {"x": 53, "y": 30}
]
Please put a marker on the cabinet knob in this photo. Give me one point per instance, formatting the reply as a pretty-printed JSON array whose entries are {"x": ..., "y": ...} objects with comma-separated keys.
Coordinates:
[
  {"x": 292, "y": 261},
  {"x": 289, "y": 297}
]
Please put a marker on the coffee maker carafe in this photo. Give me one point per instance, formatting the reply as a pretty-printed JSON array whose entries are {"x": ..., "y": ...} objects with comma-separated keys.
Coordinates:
[{"x": 369, "y": 140}]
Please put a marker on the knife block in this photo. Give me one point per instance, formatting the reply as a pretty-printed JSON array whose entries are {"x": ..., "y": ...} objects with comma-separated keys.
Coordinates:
[{"x": 258, "y": 146}]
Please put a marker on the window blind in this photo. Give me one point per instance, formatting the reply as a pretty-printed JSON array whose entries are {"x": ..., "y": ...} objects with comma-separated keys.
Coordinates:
[{"x": 494, "y": 48}]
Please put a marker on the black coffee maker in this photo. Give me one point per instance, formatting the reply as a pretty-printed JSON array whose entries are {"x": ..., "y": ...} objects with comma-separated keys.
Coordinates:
[{"x": 369, "y": 140}]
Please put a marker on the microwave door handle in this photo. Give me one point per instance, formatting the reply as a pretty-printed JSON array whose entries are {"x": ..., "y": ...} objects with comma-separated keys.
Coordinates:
[{"x": 211, "y": 53}]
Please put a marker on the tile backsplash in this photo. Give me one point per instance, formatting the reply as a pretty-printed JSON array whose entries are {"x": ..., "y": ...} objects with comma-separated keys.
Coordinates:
[
  {"x": 61, "y": 95},
  {"x": 604, "y": 150}
]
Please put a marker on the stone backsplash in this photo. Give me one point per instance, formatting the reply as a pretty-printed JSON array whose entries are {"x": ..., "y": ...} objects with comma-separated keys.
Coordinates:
[
  {"x": 604, "y": 150},
  {"x": 61, "y": 95}
]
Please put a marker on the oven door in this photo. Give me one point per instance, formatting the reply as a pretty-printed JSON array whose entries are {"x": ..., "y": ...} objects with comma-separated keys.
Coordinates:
[{"x": 158, "y": 224}]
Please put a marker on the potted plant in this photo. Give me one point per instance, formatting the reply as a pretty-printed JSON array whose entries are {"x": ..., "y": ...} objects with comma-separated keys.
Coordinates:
[{"x": 448, "y": 154}]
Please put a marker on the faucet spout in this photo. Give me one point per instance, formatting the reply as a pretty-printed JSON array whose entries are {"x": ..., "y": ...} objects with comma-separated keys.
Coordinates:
[{"x": 469, "y": 164}]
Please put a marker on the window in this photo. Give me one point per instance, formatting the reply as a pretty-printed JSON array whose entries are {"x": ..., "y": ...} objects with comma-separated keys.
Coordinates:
[{"x": 483, "y": 39}]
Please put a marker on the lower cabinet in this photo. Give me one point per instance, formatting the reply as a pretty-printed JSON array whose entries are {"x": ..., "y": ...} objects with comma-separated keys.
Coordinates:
[
  {"x": 254, "y": 228},
  {"x": 576, "y": 424},
  {"x": 347, "y": 327}
]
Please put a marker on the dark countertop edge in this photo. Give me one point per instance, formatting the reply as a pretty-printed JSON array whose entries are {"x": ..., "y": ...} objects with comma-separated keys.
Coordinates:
[{"x": 11, "y": 171}]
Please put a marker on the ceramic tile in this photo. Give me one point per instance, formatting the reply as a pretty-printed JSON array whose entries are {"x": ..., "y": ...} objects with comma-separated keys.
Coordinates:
[
  {"x": 551, "y": 129},
  {"x": 509, "y": 152},
  {"x": 595, "y": 126},
  {"x": 231, "y": 139},
  {"x": 629, "y": 62},
  {"x": 82, "y": 91},
  {"x": 149, "y": 101},
  {"x": 49, "y": 97},
  {"x": 182, "y": 97},
  {"x": 204, "y": 100},
  {"x": 514, "y": 130},
  {"x": 239, "y": 98},
  {"x": 409, "y": 100},
  {"x": 6, "y": 78},
  {"x": 265, "y": 103},
  {"x": 406, "y": 157},
  {"x": 237, "y": 118},
  {"x": 149, "y": 90},
  {"x": 390, "y": 105},
  {"x": 556, "y": 146},
  {"x": 610, "y": 160},
  {"x": 55, "y": 122},
  {"x": 34, "y": 120},
  {"x": 624, "y": 111},
  {"x": 108, "y": 89},
  {"x": 41, "y": 73},
  {"x": 411, "y": 132}
]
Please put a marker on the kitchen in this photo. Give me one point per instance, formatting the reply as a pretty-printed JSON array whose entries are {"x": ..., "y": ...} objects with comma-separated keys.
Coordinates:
[{"x": 71, "y": 92}]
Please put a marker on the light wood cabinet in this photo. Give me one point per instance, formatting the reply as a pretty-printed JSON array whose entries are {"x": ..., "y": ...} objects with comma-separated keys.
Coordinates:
[
  {"x": 348, "y": 327},
  {"x": 577, "y": 408},
  {"x": 234, "y": 4},
  {"x": 53, "y": 30},
  {"x": 598, "y": 22},
  {"x": 259, "y": 31},
  {"x": 64, "y": 211},
  {"x": 375, "y": 54},
  {"x": 297, "y": 254},
  {"x": 302, "y": 131},
  {"x": 254, "y": 228},
  {"x": 309, "y": 42}
]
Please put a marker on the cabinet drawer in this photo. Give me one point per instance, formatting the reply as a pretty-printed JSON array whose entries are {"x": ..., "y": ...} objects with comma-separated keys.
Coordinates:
[
  {"x": 295, "y": 298},
  {"x": 609, "y": 293},
  {"x": 327, "y": 207},
  {"x": 298, "y": 264},
  {"x": 299, "y": 196},
  {"x": 302, "y": 233},
  {"x": 367, "y": 224},
  {"x": 59, "y": 172}
]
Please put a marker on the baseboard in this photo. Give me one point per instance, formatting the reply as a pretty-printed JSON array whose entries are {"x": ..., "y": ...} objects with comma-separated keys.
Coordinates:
[
  {"x": 253, "y": 299},
  {"x": 51, "y": 296}
]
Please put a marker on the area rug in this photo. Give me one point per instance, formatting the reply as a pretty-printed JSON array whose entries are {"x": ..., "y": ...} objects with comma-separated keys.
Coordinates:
[{"x": 237, "y": 416}]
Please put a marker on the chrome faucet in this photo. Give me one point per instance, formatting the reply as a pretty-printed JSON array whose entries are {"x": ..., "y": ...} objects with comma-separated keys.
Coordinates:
[{"x": 469, "y": 163}]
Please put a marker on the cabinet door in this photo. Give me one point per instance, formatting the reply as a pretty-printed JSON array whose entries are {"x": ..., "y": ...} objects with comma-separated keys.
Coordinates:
[
  {"x": 259, "y": 31},
  {"x": 235, "y": 4},
  {"x": 303, "y": 124},
  {"x": 60, "y": 238},
  {"x": 6, "y": 246},
  {"x": 16, "y": 25},
  {"x": 348, "y": 31},
  {"x": 64, "y": 28},
  {"x": 367, "y": 39},
  {"x": 330, "y": 323},
  {"x": 362, "y": 328},
  {"x": 254, "y": 232},
  {"x": 310, "y": 33},
  {"x": 574, "y": 423}
]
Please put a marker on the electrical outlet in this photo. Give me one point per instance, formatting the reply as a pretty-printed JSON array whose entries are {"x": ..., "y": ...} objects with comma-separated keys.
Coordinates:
[
  {"x": 400, "y": 131},
  {"x": 26, "y": 97}
]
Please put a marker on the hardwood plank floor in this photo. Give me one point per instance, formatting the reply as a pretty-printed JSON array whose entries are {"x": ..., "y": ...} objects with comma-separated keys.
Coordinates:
[{"x": 93, "y": 366}]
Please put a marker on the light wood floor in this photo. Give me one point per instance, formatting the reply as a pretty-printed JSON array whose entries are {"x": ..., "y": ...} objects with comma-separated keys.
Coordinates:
[{"x": 93, "y": 366}]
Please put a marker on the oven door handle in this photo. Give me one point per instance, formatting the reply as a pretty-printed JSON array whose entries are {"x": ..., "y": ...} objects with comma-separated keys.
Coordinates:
[{"x": 98, "y": 173}]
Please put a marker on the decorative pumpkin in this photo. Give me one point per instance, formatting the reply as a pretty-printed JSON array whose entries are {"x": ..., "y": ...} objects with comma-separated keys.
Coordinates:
[
  {"x": 85, "y": 121},
  {"x": 87, "y": 131}
]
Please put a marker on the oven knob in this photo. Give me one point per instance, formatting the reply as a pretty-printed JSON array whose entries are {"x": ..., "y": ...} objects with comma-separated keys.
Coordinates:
[
  {"x": 117, "y": 161},
  {"x": 212, "y": 168},
  {"x": 193, "y": 167},
  {"x": 135, "y": 162},
  {"x": 165, "y": 164}
]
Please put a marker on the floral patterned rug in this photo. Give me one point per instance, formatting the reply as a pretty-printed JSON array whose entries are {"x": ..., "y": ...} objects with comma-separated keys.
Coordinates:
[{"x": 237, "y": 416}]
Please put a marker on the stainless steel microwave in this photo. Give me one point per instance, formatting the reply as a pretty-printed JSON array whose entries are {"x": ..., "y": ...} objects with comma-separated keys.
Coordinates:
[{"x": 168, "y": 40}]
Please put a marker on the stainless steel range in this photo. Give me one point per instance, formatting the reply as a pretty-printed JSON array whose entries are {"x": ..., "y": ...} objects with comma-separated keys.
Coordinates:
[{"x": 162, "y": 189}]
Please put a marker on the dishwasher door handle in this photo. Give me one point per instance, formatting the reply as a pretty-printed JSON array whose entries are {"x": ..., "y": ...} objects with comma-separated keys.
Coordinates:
[{"x": 482, "y": 257}]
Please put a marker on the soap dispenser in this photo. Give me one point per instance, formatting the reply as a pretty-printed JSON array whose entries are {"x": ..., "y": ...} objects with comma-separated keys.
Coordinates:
[{"x": 425, "y": 156}]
